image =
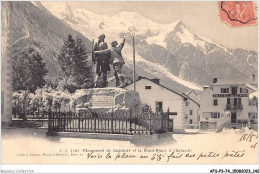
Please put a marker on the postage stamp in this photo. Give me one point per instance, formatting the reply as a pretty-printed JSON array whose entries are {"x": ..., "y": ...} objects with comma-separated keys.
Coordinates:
[{"x": 237, "y": 13}]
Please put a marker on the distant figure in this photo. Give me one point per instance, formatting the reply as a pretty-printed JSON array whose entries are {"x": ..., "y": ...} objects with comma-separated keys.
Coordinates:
[
  {"x": 102, "y": 62},
  {"x": 116, "y": 59}
]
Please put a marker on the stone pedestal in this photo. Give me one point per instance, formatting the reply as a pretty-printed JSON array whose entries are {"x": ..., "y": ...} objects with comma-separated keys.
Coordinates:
[{"x": 107, "y": 99}]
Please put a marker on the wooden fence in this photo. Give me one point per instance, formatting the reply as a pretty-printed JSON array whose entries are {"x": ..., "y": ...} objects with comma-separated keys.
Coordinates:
[{"x": 121, "y": 122}]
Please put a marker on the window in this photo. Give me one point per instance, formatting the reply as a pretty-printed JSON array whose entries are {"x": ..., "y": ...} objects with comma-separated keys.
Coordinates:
[
  {"x": 159, "y": 107},
  {"x": 239, "y": 101},
  {"x": 235, "y": 101},
  {"x": 234, "y": 90},
  {"x": 225, "y": 90},
  {"x": 173, "y": 113},
  {"x": 215, "y": 102},
  {"x": 148, "y": 87},
  {"x": 228, "y": 101},
  {"x": 187, "y": 103},
  {"x": 190, "y": 121},
  {"x": 243, "y": 90},
  {"x": 215, "y": 114},
  {"x": 190, "y": 112}
]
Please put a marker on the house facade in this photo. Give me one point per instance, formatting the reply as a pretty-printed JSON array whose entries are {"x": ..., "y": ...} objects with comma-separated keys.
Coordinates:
[
  {"x": 192, "y": 117},
  {"x": 227, "y": 103},
  {"x": 161, "y": 98}
]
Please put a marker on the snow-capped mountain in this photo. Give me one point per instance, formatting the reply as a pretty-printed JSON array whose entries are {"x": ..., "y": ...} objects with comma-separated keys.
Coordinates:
[{"x": 168, "y": 51}]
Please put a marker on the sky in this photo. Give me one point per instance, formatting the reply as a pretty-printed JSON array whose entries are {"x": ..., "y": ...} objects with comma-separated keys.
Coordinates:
[{"x": 201, "y": 18}]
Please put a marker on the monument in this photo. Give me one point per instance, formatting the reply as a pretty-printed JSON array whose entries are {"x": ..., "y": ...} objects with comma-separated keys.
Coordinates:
[{"x": 107, "y": 99}]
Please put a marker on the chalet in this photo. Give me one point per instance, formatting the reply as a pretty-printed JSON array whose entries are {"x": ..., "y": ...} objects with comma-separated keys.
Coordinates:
[
  {"x": 228, "y": 103},
  {"x": 161, "y": 98}
]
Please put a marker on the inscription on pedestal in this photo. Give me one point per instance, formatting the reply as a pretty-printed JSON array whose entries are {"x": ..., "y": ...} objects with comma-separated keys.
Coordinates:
[{"x": 102, "y": 100}]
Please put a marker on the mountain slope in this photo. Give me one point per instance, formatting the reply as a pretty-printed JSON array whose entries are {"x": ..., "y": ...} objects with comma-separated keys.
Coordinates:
[
  {"x": 171, "y": 52},
  {"x": 33, "y": 26}
]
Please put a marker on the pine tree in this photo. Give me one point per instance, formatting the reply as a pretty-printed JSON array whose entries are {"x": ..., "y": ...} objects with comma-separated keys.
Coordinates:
[
  {"x": 82, "y": 70},
  {"x": 28, "y": 70},
  {"x": 66, "y": 56},
  {"x": 74, "y": 64}
]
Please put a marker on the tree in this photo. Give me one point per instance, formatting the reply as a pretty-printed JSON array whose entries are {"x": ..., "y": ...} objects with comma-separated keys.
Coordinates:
[
  {"x": 74, "y": 63},
  {"x": 66, "y": 56},
  {"x": 83, "y": 70},
  {"x": 28, "y": 70}
]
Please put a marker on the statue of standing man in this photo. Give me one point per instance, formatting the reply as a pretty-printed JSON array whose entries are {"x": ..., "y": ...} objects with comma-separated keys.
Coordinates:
[
  {"x": 116, "y": 59},
  {"x": 102, "y": 62}
]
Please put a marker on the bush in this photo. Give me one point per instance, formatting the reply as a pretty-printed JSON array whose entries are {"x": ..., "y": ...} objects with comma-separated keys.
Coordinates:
[{"x": 68, "y": 83}]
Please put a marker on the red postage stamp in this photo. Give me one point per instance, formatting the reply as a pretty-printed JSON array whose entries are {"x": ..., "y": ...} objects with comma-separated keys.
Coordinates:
[{"x": 237, "y": 13}]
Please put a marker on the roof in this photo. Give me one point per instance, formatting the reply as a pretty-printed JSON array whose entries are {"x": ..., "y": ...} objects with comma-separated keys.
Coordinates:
[
  {"x": 191, "y": 99},
  {"x": 254, "y": 88},
  {"x": 184, "y": 96},
  {"x": 233, "y": 81},
  {"x": 188, "y": 93}
]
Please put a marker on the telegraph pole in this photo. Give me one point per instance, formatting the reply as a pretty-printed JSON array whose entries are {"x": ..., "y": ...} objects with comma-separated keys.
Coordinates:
[{"x": 134, "y": 62}]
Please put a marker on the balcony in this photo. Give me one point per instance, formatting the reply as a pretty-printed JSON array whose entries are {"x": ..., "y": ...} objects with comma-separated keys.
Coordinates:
[{"x": 234, "y": 107}]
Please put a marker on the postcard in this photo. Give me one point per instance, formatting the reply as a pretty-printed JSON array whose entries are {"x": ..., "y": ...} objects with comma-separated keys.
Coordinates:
[{"x": 118, "y": 82}]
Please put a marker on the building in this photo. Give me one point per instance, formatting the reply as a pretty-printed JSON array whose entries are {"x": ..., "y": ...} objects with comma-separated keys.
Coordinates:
[
  {"x": 227, "y": 103},
  {"x": 6, "y": 69},
  {"x": 192, "y": 116},
  {"x": 193, "y": 95},
  {"x": 161, "y": 98}
]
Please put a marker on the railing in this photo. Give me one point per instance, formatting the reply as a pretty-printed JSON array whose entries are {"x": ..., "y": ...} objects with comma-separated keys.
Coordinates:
[
  {"x": 123, "y": 122},
  {"x": 234, "y": 107},
  {"x": 220, "y": 128}
]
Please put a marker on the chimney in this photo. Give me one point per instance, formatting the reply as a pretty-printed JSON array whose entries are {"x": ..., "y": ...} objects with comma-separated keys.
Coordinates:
[
  {"x": 205, "y": 87},
  {"x": 155, "y": 80},
  {"x": 215, "y": 80},
  {"x": 140, "y": 77},
  {"x": 253, "y": 78}
]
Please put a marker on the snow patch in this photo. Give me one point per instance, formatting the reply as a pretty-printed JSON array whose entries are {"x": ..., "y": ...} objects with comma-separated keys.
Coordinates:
[
  {"x": 156, "y": 69},
  {"x": 254, "y": 94},
  {"x": 187, "y": 37},
  {"x": 161, "y": 34}
]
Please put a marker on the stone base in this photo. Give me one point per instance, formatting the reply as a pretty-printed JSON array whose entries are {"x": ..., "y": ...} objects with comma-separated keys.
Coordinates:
[{"x": 107, "y": 99}]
